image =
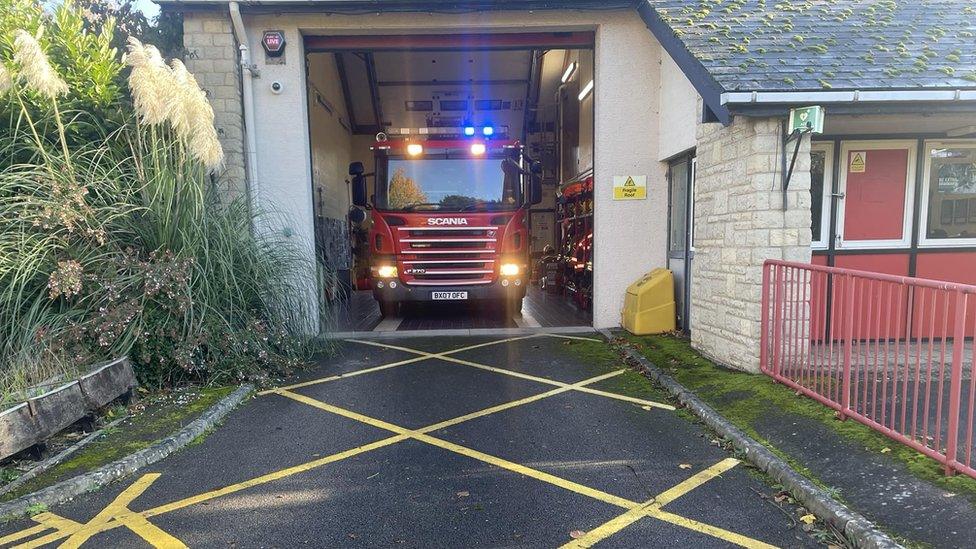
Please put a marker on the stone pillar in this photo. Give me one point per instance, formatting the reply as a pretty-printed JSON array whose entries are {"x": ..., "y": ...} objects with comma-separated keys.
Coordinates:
[
  {"x": 212, "y": 57},
  {"x": 739, "y": 223}
]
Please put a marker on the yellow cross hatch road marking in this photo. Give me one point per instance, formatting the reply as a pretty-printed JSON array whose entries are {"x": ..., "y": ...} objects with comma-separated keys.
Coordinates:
[
  {"x": 446, "y": 356},
  {"x": 635, "y": 510},
  {"x": 117, "y": 514},
  {"x": 653, "y": 509},
  {"x": 64, "y": 527}
]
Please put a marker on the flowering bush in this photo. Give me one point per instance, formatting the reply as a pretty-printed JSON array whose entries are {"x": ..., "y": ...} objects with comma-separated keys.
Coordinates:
[{"x": 118, "y": 244}]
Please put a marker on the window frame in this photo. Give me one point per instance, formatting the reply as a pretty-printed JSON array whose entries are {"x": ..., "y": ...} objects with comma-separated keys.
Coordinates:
[
  {"x": 827, "y": 147},
  {"x": 924, "y": 241},
  {"x": 908, "y": 213}
]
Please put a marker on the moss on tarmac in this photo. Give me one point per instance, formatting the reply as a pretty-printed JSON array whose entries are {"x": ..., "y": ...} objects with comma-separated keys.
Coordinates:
[
  {"x": 156, "y": 417},
  {"x": 745, "y": 398}
]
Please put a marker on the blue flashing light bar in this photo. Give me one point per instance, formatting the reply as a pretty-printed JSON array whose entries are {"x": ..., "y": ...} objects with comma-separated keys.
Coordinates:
[
  {"x": 488, "y": 131},
  {"x": 469, "y": 130}
]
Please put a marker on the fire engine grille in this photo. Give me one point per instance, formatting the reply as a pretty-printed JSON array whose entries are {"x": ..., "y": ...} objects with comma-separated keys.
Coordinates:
[{"x": 448, "y": 255}]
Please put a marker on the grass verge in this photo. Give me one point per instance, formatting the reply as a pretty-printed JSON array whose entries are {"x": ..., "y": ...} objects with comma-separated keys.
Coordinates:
[{"x": 153, "y": 418}]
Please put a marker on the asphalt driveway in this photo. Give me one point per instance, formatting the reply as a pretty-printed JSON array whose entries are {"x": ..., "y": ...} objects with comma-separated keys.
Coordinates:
[{"x": 535, "y": 441}]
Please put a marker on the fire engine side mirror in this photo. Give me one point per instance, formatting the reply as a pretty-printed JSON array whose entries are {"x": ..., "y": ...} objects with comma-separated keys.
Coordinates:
[
  {"x": 535, "y": 190},
  {"x": 359, "y": 197}
]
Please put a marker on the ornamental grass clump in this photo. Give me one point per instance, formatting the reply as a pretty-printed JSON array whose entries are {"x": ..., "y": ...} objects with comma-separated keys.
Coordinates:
[{"x": 121, "y": 244}]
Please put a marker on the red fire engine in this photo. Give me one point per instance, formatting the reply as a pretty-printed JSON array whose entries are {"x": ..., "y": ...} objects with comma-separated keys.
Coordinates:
[{"x": 449, "y": 216}]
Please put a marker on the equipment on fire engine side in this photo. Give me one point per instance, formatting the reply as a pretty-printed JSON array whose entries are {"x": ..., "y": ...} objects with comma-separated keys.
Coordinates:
[
  {"x": 449, "y": 216},
  {"x": 649, "y": 304}
]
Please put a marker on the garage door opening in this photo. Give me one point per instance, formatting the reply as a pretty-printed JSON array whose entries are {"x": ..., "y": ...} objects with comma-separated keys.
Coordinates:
[{"x": 453, "y": 179}]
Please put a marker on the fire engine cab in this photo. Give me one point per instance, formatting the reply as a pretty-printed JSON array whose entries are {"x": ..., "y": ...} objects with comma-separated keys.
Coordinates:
[{"x": 449, "y": 216}]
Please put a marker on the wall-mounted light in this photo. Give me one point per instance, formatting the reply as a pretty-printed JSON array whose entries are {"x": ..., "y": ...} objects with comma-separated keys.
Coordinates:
[
  {"x": 415, "y": 149},
  {"x": 570, "y": 70},
  {"x": 585, "y": 91}
]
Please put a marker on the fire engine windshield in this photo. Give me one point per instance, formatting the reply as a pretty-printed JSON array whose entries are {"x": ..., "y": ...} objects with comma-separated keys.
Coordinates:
[{"x": 450, "y": 185}]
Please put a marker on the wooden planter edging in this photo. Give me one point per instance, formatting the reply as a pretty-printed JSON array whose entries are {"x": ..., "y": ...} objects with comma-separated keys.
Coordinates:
[{"x": 37, "y": 418}]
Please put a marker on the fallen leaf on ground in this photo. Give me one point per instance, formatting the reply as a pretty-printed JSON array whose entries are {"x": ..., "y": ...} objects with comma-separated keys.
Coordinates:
[
  {"x": 780, "y": 498},
  {"x": 576, "y": 534},
  {"x": 685, "y": 466},
  {"x": 808, "y": 518},
  {"x": 463, "y": 494},
  {"x": 648, "y": 408},
  {"x": 885, "y": 450}
]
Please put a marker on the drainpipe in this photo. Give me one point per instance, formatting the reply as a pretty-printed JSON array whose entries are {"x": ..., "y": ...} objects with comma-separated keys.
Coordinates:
[{"x": 248, "y": 71}]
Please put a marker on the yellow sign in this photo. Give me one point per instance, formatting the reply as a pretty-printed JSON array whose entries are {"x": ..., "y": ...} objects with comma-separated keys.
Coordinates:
[
  {"x": 629, "y": 187},
  {"x": 859, "y": 162}
]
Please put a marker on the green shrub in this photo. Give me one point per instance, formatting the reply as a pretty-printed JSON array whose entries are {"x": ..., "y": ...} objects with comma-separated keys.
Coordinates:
[{"x": 112, "y": 237}]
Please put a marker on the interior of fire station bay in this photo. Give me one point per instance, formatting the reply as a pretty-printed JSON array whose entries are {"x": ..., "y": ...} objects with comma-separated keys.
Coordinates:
[{"x": 453, "y": 179}]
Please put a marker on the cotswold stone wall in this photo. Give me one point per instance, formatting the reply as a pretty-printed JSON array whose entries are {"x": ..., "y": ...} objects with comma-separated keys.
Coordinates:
[
  {"x": 739, "y": 223},
  {"x": 212, "y": 57}
]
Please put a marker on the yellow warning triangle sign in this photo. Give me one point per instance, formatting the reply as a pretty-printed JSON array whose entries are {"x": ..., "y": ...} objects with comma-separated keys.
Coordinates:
[
  {"x": 630, "y": 182},
  {"x": 857, "y": 162}
]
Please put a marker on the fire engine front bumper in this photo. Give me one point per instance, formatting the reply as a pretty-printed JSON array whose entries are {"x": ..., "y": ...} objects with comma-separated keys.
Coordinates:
[{"x": 495, "y": 291}]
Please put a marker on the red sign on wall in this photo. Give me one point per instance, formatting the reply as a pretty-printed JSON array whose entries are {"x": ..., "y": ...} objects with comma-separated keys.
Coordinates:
[{"x": 273, "y": 42}]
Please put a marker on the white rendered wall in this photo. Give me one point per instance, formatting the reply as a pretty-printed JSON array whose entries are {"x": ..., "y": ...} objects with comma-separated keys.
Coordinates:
[
  {"x": 678, "y": 113},
  {"x": 630, "y": 236}
]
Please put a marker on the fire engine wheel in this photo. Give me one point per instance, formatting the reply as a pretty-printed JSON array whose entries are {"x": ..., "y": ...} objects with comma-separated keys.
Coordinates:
[{"x": 389, "y": 308}]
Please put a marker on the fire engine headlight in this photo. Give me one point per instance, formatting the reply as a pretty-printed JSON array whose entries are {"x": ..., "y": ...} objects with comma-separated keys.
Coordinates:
[
  {"x": 415, "y": 149},
  {"x": 386, "y": 271},
  {"x": 509, "y": 269}
]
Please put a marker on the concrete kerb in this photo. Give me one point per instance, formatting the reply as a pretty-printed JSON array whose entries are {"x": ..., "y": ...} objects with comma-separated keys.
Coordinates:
[
  {"x": 855, "y": 527},
  {"x": 92, "y": 480}
]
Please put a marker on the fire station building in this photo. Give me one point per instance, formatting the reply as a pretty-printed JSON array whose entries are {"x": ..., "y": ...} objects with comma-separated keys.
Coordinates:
[{"x": 690, "y": 100}]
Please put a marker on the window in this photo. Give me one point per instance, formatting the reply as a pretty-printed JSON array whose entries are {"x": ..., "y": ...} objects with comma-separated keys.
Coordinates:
[
  {"x": 949, "y": 194},
  {"x": 821, "y": 181},
  {"x": 679, "y": 207}
]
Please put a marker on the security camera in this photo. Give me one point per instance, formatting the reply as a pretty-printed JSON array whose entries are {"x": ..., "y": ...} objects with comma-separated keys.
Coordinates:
[{"x": 276, "y": 87}]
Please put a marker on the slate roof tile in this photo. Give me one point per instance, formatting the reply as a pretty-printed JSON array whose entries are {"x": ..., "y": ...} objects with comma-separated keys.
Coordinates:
[{"x": 782, "y": 45}]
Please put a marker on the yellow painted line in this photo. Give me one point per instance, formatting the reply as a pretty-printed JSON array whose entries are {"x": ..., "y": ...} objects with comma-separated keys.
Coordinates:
[
  {"x": 345, "y": 375},
  {"x": 609, "y": 528},
  {"x": 578, "y": 338},
  {"x": 207, "y": 496},
  {"x": 708, "y": 529},
  {"x": 548, "y": 381},
  {"x": 515, "y": 403},
  {"x": 422, "y": 356},
  {"x": 527, "y": 471},
  {"x": 25, "y": 533},
  {"x": 695, "y": 481},
  {"x": 626, "y": 398},
  {"x": 119, "y": 511},
  {"x": 651, "y": 509},
  {"x": 276, "y": 475},
  {"x": 442, "y": 353}
]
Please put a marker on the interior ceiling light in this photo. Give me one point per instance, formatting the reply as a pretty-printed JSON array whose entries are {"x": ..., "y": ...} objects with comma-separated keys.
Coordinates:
[
  {"x": 478, "y": 149},
  {"x": 570, "y": 71},
  {"x": 585, "y": 91},
  {"x": 415, "y": 149}
]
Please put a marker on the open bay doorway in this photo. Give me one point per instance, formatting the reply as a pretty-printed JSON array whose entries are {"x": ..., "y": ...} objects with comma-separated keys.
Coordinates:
[{"x": 453, "y": 179}]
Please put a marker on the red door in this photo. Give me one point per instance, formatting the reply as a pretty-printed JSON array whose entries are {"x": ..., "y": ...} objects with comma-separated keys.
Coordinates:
[{"x": 876, "y": 208}]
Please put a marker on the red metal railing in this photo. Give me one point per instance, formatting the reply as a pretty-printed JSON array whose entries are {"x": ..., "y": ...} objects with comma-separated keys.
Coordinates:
[{"x": 894, "y": 353}]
